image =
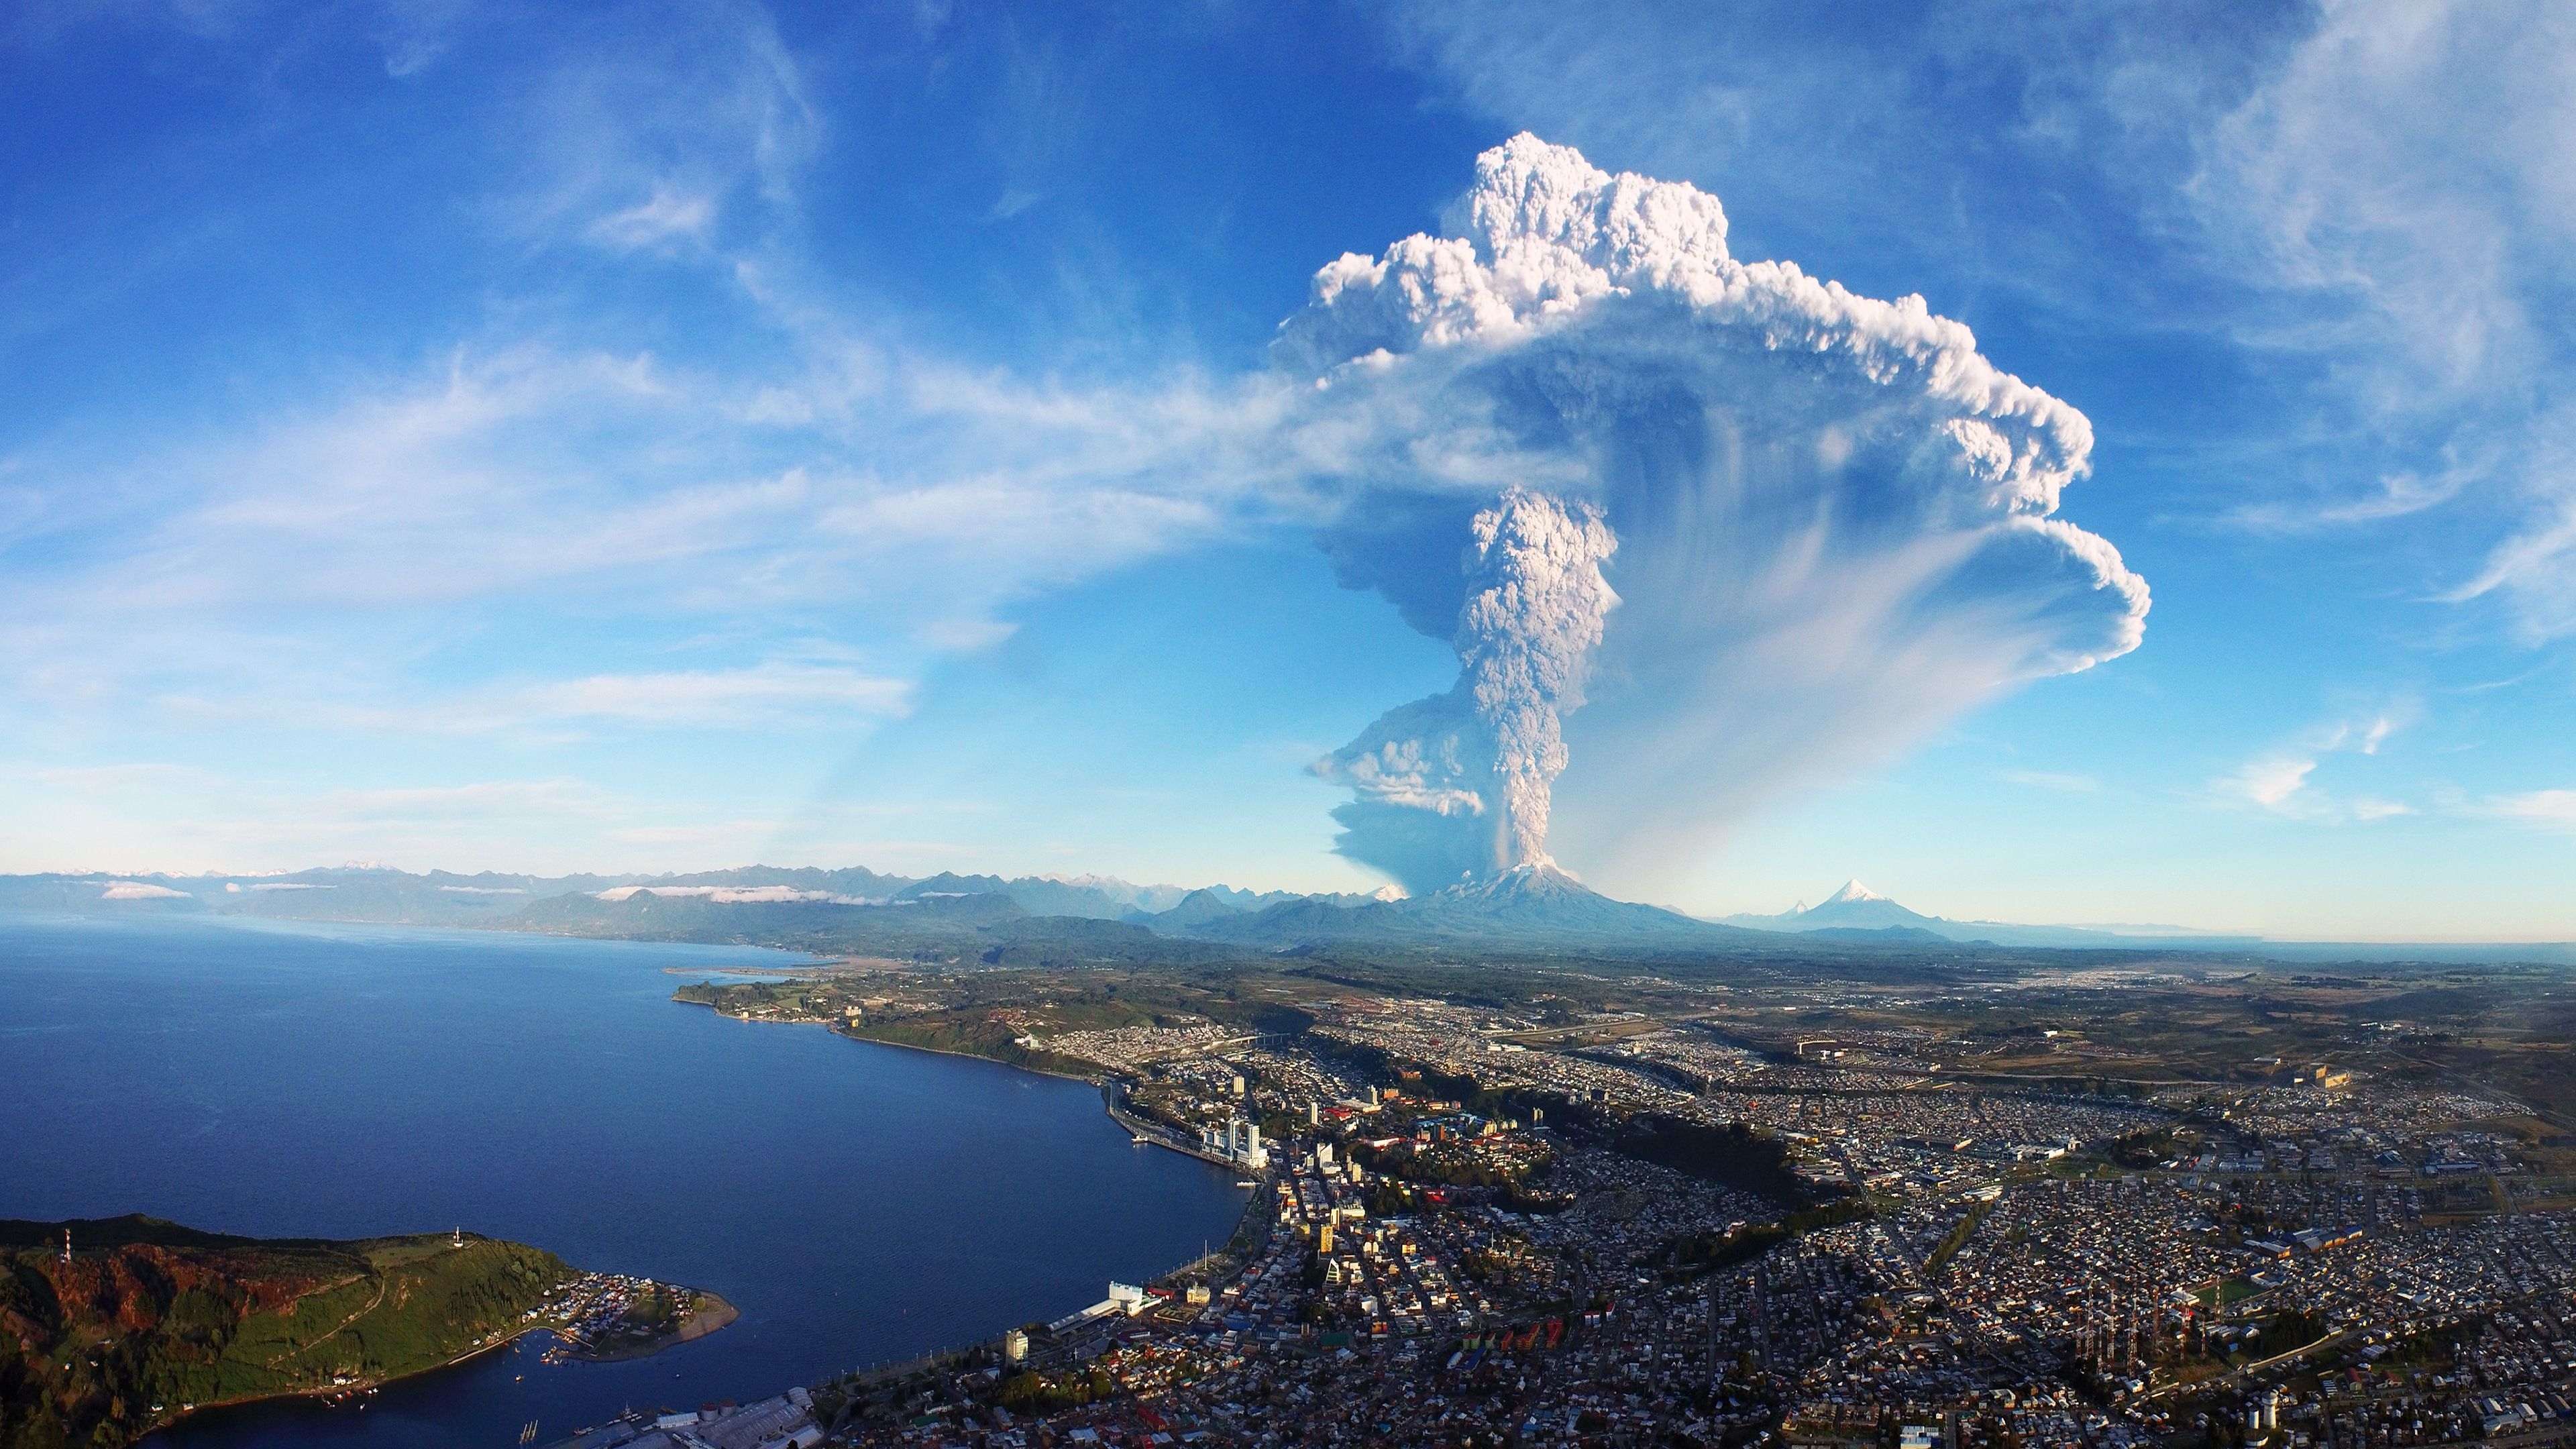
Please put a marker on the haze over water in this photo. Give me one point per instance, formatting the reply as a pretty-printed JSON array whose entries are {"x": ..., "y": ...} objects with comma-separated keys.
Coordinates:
[{"x": 858, "y": 1203}]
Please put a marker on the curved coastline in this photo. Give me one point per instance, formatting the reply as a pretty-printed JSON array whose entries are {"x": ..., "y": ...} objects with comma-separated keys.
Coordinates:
[
  {"x": 711, "y": 1306},
  {"x": 1149, "y": 1133},
  {"x": 401, "y": 1044},
  {"x": 330, "y": 1393},
  {"x": 1153, "y": 1134},
  {"x": 1092, "y": 1080},
  {"x": 711, "y": 1313},
  {"x": 175, "y": 1322},
  {"x": 841, "y": 1029}
]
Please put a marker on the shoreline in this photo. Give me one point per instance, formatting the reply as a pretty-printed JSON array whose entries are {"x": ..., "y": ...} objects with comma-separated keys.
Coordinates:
[
  {"x": 836, "y": 1030},
  {"x": 333, "y": 1390},
  {"x": 709, "y": 1306},
  {"x": 1133, "y": 1126},
  {"x": 725, "y": 1314},
  {"x": 839, "y": 1029},
  {"x": 1153, "y": 1135},
  {"x": 878, "y": 1372}
]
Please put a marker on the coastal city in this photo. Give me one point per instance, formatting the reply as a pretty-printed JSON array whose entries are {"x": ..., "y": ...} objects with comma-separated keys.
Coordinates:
[
  {"x": 1003, "y": 724},
  {"x": 1665, "y": 1221}
]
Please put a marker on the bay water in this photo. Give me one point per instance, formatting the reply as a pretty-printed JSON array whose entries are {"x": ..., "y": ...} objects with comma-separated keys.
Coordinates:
[{"x": 858, "y": 1203}]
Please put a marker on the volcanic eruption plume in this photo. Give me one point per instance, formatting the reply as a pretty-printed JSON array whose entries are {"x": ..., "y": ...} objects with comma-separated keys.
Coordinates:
[
  {"x": 1486, "y": 754},
  {"x": 1827, "y": 520}
]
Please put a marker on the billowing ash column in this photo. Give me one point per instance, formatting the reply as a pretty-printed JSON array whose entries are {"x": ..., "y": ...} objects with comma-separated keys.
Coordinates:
[
  {"x": 1526, "y": 639},
  {"x": 1456, "y": 786}
]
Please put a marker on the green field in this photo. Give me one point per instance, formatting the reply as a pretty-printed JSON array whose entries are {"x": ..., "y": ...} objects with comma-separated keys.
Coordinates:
[{"x": 149, "y": 1318}]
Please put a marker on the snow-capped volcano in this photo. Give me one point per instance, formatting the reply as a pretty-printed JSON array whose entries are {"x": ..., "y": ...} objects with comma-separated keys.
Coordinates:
[
  {"x": 1851, "y": 892},
  {"x": 1858, "y": 908},
  {"x": 1527, "y": 904}
]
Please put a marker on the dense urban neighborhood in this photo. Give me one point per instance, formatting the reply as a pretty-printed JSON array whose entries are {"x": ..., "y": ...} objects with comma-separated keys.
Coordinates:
[{"x": 1543, "y": 1210}]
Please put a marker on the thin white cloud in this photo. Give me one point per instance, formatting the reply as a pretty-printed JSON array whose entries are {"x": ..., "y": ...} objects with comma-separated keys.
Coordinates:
[
  {"x": 2275, "y": 784},
  {"x": 2407, "y": 173},
  {"x": 966, "y": 636},
  {"x": 217, "y": 823},
  {"x": 776, "y": 694},
  {"x": 668, "y": 214},
  {"x": 2365, "y": 735},
  {"x": 763, "y": 695},
  {"x": 2281, "y": 782},
  {"x": 696, "y": 121},
  {"x": 1013, "y": 201},
  {"x": 480, "y": 801},
  {"x": 136, "y": 776},
  {"x": 2552, "y": 809}
]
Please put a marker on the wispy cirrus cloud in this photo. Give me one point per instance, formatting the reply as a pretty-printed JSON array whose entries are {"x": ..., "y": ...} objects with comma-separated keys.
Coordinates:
[
  {"x": 479, "y": 800},
  {"x": 200, "y": 818},
  {"x": 695, "y": 127},
  {"x": 536, "y": 478},
  {"x": 2405, "y": 175},
  {"x": 762, "y": 694},
  {"x": 2369, "y": 204},
  {"x": 669, "y": 214},
  {"x": 778, "y": 695},
  {"x": 2549, "y": 809},
  {"x": 2282, "y": 783}
]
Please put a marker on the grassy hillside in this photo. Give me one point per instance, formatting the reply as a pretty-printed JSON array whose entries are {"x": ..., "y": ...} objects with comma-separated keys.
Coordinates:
[{"x": 149, "y": 1317}]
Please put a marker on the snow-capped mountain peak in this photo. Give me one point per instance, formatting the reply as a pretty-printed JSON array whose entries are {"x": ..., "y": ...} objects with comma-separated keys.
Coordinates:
[{"x": 1853, "y": 890}]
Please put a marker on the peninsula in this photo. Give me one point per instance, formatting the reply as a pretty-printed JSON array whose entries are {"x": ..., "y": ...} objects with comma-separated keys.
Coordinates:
[{"x": 111, "y": 1328}]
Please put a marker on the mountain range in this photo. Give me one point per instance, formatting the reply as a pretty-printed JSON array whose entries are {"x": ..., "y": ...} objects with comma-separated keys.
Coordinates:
[
  {"x": 1534, "y": 904},
  {"x": 855, "y": 908},
  {"x": 1074, "y": 919},
  {"x": 1857, "y": 912}
]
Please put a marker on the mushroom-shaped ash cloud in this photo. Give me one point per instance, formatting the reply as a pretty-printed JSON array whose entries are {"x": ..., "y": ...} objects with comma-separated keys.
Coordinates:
[{"x": 1825, "y": 523}]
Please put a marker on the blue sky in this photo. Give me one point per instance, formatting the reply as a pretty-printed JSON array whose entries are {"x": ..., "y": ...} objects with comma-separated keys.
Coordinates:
[{"x": 640, "y": 437}]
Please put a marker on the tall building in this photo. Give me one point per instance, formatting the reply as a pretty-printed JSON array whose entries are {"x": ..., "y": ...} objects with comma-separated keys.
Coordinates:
[
  {"x": 1246, "y": 1145},
  {"x": 1239, "y": 1141}
]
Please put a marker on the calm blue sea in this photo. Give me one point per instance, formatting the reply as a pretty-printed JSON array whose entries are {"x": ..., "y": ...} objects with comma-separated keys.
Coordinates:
[{"x": 858, "y": 1203}]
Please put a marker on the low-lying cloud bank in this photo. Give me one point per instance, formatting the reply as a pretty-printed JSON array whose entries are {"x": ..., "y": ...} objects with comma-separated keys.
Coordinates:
[{"x": 1754, "y": 527}]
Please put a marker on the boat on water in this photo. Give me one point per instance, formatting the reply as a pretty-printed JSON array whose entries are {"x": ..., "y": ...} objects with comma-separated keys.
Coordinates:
[{"x": 1140, "y": 1140}]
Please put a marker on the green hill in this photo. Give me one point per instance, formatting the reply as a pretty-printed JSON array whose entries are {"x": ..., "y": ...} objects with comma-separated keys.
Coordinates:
[{"x": 149, "y": 1318}]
